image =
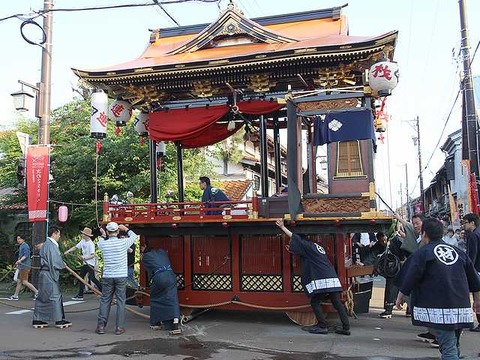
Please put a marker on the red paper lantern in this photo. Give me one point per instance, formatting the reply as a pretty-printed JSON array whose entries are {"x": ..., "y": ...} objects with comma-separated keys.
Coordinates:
[{"x": 62, "y": 213}]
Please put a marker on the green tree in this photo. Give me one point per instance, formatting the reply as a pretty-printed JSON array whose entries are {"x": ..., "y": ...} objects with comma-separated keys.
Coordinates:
[
  {"x": 228, "y": 150},
  {"x": 81, "y": 177}
]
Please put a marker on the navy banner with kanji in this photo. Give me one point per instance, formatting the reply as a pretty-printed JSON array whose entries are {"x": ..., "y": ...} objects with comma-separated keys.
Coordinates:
[{"x": 344, "y": 126}]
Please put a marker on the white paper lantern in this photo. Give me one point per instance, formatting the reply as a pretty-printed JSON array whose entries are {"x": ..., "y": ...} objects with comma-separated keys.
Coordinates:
[
  {"x": 141, "y": 124},
  {"x": 121, "y": 112},
  {"x": 98, "y": 117},
  {"x": 62, "y": 213},
  {"x": 383, "y": 77},
  {"x": 161, "y": 148}
]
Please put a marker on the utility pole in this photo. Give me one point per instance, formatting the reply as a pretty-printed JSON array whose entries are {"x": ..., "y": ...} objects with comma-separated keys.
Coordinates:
[
  {"x": 39, "y": 228},
  {"x": 420, "y": 172},
  {"x": 401, "y": 200},
  {"x": 406, "y": 190},
  {"x": 46, "y": 76},
  {"x": 469, "y": 121}
]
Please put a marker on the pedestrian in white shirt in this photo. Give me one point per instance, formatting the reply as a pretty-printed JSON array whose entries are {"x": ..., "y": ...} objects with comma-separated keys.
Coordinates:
[
  {"x": 89, "y": 259},
  {"x": 115, "y": 273}
]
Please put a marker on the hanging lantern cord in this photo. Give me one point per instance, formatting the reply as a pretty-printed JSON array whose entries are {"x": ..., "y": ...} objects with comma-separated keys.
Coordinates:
[{"x": 97, "y": 155}]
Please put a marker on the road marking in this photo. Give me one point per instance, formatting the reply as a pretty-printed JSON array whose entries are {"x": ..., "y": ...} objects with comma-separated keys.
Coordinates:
[
  {"x": 66, "y": 303},
  {"x": 19, "y": 312}
]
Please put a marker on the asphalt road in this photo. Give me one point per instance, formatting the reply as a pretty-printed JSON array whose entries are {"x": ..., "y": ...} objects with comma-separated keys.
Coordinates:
[{"x": 216, "y": 334}]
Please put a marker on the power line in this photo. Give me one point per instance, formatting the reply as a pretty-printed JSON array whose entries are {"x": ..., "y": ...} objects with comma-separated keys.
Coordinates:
[{"x": 94, "y": 8}]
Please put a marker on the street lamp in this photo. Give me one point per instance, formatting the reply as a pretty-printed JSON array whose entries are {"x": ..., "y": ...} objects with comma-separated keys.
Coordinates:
[
  {"x": 22, "y": 100},
  {"x": 43, "y": 92}
]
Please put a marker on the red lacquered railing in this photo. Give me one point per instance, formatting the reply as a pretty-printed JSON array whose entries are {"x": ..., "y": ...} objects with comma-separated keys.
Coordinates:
[{"x": 180, "y": 211}]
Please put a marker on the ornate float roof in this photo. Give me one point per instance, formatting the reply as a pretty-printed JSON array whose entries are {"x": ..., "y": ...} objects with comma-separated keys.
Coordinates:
[{"x": 256, "y": 54}]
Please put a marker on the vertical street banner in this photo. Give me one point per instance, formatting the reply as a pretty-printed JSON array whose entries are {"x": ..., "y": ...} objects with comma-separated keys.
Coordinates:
[
  {"x": 473, "y": 194},
  {"x": 453, "y": 206},
  {"x": 37, "y": 173}
]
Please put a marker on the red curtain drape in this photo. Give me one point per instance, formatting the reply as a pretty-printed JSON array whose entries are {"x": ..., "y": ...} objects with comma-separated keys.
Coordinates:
[
  {"x": 197, "y": 127},
  {"x": 178, "y": 124}
]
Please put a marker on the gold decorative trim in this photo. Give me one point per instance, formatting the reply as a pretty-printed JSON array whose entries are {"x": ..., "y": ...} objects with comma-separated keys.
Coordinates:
[{"x": 143, "y": 70}]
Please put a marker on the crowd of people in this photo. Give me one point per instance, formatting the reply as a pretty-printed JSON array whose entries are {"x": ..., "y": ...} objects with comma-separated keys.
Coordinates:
[
  {"x": 439, "y": 270},
  {"x": 435, "y": 270},
  {"x": 116, "y": 244}
]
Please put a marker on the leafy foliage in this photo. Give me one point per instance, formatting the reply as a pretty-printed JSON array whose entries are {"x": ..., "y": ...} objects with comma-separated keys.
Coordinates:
[
  {"x": 228, "y": 150},
  {"x": 81, "y": 177}
]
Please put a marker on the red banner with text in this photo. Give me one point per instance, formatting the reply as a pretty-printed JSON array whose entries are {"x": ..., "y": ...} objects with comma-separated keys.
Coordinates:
[{"x": 37, "y": 169}]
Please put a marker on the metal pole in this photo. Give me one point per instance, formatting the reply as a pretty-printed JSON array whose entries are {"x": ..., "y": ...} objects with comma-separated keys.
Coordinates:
[
  {"x": 470, "y": 122},
  {"x": 277, "y": 152},
  {"x": 420, "y": 170},
  {"x": 39, "y": 228},
  {"x": 46, "y": 76},
  {"x": 181, "y": 190},
  {"x": 153, "y": 171},
  {"x": 264, "y": 155}
]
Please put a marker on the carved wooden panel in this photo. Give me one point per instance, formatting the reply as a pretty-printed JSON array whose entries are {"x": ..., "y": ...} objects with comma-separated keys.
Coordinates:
[
  {"x": 327, "y": 105},
  {"x": 329, "y": 205}
]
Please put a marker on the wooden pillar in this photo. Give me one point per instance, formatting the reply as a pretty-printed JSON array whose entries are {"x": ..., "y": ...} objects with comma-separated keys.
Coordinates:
[
  {"x": 263, "y": 156},
  {"x": 294, "y": 160}
]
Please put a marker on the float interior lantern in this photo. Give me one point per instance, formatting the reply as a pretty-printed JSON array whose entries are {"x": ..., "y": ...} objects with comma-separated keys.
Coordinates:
[
  {"x": 383, "y": 77},
  {"x": 98, "y": 117},
  {"x": 161, "y": 149},
  {"x": 140, "y": 124},
  {"x": 121, "y": 112},
  {"x": 62, "y": 213}
]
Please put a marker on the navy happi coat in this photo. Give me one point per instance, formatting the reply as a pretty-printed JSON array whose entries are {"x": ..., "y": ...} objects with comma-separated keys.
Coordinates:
[
  {"x": 440, "y": 278},
  {"x": 318, "y": 274},
  {"x": 163, "y": 287}
]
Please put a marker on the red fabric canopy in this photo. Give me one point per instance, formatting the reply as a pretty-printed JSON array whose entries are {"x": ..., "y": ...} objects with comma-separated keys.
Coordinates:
[{"x": 197, "y": 127}]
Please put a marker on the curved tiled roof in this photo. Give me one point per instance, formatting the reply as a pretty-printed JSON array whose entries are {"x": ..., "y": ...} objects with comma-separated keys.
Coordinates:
[{"x": 236, "y": 189}]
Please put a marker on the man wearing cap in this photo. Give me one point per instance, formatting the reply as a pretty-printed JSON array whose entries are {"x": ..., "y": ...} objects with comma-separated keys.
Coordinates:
[
  {"x": 89, "y": 261},
  {"x": 115, "y": 273}
]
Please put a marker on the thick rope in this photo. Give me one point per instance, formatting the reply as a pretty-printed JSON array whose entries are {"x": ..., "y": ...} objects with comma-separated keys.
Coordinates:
[
  {"x": 96, "y": 291},
  {"x": 349, "y": 301}
]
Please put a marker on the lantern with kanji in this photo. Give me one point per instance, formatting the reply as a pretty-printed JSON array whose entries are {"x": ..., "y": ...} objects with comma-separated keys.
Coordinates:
[
  {"x": 98, "y": 115},
  {"x": 383, "y": 77},
  {"x": 141, "y": 124},
  {"x": 121, "y": 112}
]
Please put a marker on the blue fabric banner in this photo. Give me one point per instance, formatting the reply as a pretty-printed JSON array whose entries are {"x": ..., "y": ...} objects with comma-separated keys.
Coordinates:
[{"x": 344, "y": 126}]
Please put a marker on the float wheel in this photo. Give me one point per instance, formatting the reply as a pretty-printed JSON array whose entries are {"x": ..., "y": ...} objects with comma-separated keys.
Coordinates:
[{"x": 302, "y": 318}]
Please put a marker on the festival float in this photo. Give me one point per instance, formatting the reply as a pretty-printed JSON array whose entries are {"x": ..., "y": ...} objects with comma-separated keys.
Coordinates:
[{"x": 198, "y": 85}]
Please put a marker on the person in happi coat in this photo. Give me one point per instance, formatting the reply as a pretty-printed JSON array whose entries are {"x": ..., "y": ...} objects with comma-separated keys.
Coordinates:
[
  {"x": 49, "y": 303},
  {"x": 164, "y": 307},
  {"x": 319, "y": 279},
  {"x": 439, "y": 277},
  {"x": 471, "y": 227},
  {"x": 210, "y": 195}
]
